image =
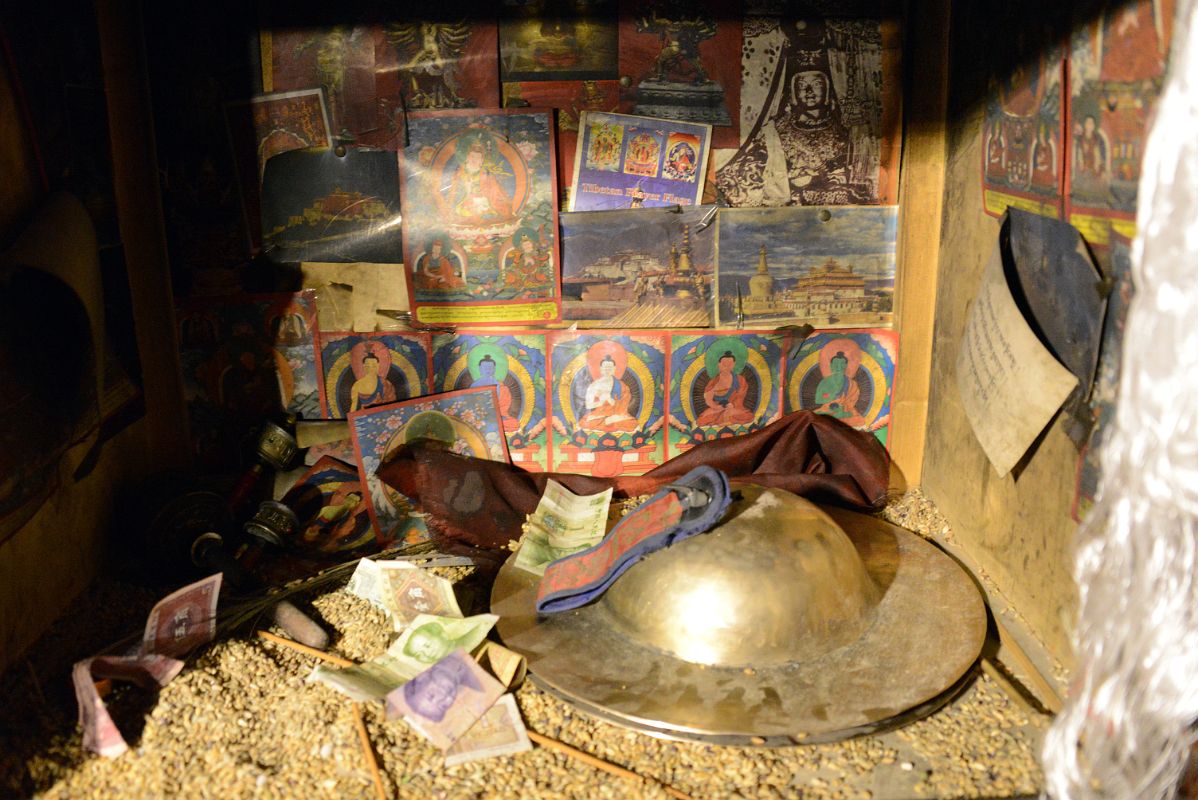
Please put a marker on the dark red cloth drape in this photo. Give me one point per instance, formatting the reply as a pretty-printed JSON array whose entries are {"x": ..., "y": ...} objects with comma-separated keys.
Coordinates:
[{"x": 483, "y": 503}]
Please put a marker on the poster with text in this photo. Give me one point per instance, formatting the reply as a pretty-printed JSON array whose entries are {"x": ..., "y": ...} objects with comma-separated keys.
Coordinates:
[{"x": 624, "y": 161}]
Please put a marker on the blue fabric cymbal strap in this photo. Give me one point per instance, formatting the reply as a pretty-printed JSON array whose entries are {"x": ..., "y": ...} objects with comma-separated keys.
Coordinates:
[{"x": 694, "y": 503}]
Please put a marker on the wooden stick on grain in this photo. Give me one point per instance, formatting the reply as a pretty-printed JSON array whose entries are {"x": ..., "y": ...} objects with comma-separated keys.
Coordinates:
[
  {"x": 368, "y": 751},
  {"x": 303, "y": 648},
  {"x": 363, "y": 734},
  {"x": 544, "y": 741},
  {"x": 599, "y": 763}
]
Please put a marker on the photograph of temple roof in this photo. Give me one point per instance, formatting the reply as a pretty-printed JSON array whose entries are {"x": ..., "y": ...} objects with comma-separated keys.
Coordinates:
[
  {"x": 646, "y": 268},
  {"x": 830, "y": 267}
]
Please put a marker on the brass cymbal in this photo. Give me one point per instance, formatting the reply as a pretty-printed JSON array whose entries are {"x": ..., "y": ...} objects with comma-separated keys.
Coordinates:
[{"x": 786, "y": 623}]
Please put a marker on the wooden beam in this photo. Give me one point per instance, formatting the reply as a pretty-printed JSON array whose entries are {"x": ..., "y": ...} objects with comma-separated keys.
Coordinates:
[
  {"x": 139, "y": 210},
  {"x": 921, "y": 205}
]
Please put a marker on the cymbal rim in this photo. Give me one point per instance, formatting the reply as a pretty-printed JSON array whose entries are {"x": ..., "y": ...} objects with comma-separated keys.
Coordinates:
[{"x": 928, "y": 631}]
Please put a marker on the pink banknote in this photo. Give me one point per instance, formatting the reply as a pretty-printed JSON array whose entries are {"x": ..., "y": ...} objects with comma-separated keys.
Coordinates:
[{"x": 445, "y": 700}]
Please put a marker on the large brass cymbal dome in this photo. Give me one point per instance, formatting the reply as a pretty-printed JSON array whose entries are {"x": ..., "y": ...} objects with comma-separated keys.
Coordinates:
[
  {"x": 747, "y": 596},
  {"x": 785, "y": 623}
]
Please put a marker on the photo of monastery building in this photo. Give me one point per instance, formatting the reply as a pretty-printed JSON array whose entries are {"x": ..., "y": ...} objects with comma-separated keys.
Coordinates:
[
  {"x": 831, "y": 292},
  {"x": 651, "y": 280}
]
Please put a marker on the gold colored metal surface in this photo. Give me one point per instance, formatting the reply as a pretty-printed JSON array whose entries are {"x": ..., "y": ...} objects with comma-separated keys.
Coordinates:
[
  {"x": 746, "y": 599},
  {"x": 783, "y": 624}
]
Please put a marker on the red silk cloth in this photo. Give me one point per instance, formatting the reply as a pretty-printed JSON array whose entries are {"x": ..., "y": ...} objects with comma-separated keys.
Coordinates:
[{"x": 483, "y": 503}]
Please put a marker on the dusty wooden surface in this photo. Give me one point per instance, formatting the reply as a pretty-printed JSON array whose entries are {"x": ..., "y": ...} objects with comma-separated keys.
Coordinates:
[{"x": 1016, "y": 528}]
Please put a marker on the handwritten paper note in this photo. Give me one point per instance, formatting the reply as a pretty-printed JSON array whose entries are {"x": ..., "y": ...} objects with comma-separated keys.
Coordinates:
[{"x": 1010, "y": 384}]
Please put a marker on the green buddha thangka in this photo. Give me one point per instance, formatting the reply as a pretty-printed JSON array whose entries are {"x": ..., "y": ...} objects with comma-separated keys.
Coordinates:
[{"x": 833, "y": 394}]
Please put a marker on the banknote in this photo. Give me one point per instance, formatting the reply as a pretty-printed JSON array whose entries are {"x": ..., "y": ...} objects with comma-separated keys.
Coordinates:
[
  {"x": 426, "y": 641},
  {"x": 178, "y": 623},
  {"x": 445, "y": 700},
  {"x": 184, "y": 619},
  {"x": 367, "y": 582},
  {"x": 430, "y": 638},
  {"x": 565, "y": 514},
  {"x": 403, "y": 590},
  {"x": 500, "y": 732},
  {"x": 563, "y": 523},
  {"x": 371, "y": 680},
  {"x": 100, "y": 733},
  {"x": 536, "y": 553},
  {"x": 507, "y": 666}
]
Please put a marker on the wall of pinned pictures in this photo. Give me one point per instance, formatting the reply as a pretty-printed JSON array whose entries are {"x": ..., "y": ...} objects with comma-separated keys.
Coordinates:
[{"x": 611, "y": 225}]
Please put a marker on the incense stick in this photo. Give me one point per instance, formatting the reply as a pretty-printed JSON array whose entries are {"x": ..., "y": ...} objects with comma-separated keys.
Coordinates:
[
  {"x": 368, "y": 752},
  {"x": 599, "y": 763},
  {"x": 303, "y": 648}
]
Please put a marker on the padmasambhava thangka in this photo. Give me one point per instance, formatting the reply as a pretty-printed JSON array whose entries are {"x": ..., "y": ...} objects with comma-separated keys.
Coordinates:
[{"x": 480, "y": 216}]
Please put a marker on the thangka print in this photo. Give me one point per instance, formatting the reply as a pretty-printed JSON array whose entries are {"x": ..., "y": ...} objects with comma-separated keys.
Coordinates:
[
  {"x": 820, "y": 105},
  {"x": 1116, "y": 65},
  {"x": 1023, "y": 137},
  {"x": 371, "y": 74},
  {"x": 244, "y": 359},
  {"x": 563, "y": 40},
  {"x": 645, "y": 268},
  {"x": 845, "y": 374},
  {"x": 642, "y": 155},
  {"x": 608, "y": 402},
  {"x": 370, "y": 369},
  {"x": 514, "y": 363},
  {"x": 333, "y": 511},
  {"x": 465, "y": 422},
  {"x": 480, "y": 217},
  {"x": 827, "y": 267},
  {"x": 723, "y": 384},
  {"x": 682, "y": 62},
  {"x": 624, "y": 161}
]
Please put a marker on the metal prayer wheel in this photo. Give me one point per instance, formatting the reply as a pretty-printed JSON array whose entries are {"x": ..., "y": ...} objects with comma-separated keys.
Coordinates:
[
  {"x": 273, "y": 523},
  {"x": 276, "y": 446},
  {"x": 176, "y": 526}
]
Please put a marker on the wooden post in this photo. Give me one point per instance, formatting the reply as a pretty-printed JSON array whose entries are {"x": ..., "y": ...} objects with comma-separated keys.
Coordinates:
[
  {"x": 139, "y": 209},
  {"x": 921, "y": 204}
]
